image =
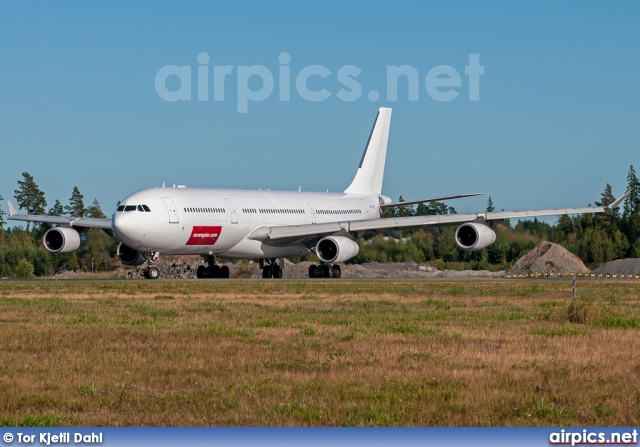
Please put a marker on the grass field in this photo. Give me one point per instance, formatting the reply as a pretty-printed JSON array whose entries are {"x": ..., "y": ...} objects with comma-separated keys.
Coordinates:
[{"x": 339, "y": 353}]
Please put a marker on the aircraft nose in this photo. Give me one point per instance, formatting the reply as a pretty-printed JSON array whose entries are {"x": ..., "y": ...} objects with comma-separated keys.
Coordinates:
[{"x": 123, "y": 225}]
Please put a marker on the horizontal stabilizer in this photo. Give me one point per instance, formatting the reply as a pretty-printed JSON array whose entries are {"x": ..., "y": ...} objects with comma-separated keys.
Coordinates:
[{"x": 435, "y": 199}]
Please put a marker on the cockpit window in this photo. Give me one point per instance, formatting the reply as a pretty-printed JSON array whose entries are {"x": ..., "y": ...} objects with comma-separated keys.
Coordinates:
[
  {"x": 120, "y": 208},
  {"x": 146, "y": 208},
  {"x": 140, "y": 208},
  {"x": 130, "y": 208}
]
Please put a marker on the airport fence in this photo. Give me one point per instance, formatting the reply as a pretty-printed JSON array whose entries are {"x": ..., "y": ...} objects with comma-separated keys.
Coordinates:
[{"x": 597, "y": 276}]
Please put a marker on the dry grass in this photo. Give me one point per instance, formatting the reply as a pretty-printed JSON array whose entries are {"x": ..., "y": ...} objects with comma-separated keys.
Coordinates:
[{"x": 349, "y": 353}]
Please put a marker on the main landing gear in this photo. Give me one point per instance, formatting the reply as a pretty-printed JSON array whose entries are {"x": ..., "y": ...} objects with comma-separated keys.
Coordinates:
[
  {"x": 212, "y": 270},
  {"x": 273, "y": 269},
  {"x": 325, "y": 271}
]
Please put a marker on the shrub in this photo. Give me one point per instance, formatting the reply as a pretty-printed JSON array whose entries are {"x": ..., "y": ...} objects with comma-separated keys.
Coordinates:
[{"x": 24, "y": 269}]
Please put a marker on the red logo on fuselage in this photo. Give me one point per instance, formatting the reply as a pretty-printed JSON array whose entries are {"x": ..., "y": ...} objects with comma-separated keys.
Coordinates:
[{"x": 204, "y": 235}]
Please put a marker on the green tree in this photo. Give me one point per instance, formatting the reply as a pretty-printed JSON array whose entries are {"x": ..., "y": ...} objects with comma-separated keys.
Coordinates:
[
  {"x": 24, "y": 269},
  {"x": 76, "y": 205},
  {"x": 565, "y": 224},
  {"x": 635, "y": 250},
  {"x": 496, "y": 253},
  {"x": 402, "y": 211},
  {"x": 2, "y": 222},
  {"x": 608, "y": 221},
  {"x": 506, "y": 222},
  {"x": 30, "y": 197},
  {"x": 94, "y": 210},
  {"x": 490, "y": 207},
  {"x": 57, "y": 209},
  {"x": 607, "y": 197},
  {"x": 632, "y": 202},
  {"x": 422, "y": 210},
  {"x": 439, "y": 208},
  {"x": 631, "y": 213},
  {"x": 73, "y": 263}
]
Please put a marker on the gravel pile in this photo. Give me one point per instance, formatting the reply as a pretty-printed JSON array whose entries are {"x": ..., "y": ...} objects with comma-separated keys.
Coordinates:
[
  {"x": 389, "y": 270},
  {"x": 548, "y": 257},
  {"x": 629, "y": 266}
]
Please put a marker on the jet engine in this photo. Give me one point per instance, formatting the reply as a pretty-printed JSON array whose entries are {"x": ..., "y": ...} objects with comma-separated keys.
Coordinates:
[
  {"x": 130, "y": 256},
  {"x": 63, "y": 240},
  {"x": 474, "y": 236},
  {"x": 336, "y": 249}
]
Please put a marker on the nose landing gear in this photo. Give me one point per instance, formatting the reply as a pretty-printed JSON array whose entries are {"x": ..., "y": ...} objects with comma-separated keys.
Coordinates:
[{"x": 151, "y": 271}]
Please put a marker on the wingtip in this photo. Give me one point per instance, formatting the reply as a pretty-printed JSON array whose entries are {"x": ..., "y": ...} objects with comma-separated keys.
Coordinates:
[
  {"x": 12, "y": 209},
  {"x": 617, "y": 202}
]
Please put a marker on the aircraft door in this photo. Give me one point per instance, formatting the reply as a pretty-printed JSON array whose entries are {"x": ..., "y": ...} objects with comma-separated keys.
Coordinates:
[
  {"x": 313, "y": 213},
  {"x": 232, "y": 209},
  {"x": 365, "y": 208},
  {"x": 171, "y": 208}
]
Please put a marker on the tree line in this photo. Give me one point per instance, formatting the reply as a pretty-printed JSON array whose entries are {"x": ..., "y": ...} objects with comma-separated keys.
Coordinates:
[
  {"x": 595, "y": 238},
  {"x": 22, "y": 254}
]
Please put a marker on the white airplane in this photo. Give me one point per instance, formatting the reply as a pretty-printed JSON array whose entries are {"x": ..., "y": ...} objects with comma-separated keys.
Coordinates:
[{"x": 270, "y": 225}]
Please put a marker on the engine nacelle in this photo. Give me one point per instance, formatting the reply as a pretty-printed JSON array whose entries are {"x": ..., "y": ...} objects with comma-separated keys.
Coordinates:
[
  {"x": 474, "y": 236},
  {"x": 336, "y": 249},
  {"x": 130, "y": 256},
  {"x": 63, "y": 240}
]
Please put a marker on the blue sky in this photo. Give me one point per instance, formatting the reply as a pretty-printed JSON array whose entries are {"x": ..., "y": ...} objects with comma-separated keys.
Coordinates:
[{"x": 558, "y": 115}]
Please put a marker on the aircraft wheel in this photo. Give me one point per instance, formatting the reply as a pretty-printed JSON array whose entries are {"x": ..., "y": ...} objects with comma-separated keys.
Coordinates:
[
  {"x": 215, "y": 271},
  {"x": 224, "y": 272},
  {"x": 266, "y": 271},
  {"x": 336, "y": 271},
  {"x": 313, "y": 271},
  {"x": 326, "y": 271},
  {"x": 152, "y": 273},
  {"x": 277, "y": 272},
  {"x": 201, "y": 271}
]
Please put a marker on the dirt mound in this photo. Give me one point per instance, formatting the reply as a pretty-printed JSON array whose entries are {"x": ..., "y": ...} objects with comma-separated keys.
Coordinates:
[
  {"x": 629, "y": 266},
  {"x": 548, "y": 257}
]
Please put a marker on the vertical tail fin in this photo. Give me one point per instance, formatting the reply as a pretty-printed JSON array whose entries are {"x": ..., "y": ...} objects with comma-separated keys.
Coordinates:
[{"x": 368, "y": 179}]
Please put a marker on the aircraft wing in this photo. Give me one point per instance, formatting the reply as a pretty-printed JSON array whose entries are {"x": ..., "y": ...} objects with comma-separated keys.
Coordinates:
[
  {"x": 285, "y": 235},
  {"x": 84, "y": 222}
]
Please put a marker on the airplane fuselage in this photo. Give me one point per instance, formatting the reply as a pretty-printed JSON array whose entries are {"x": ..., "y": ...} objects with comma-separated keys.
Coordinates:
[{"x": 217, "y": 221}]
